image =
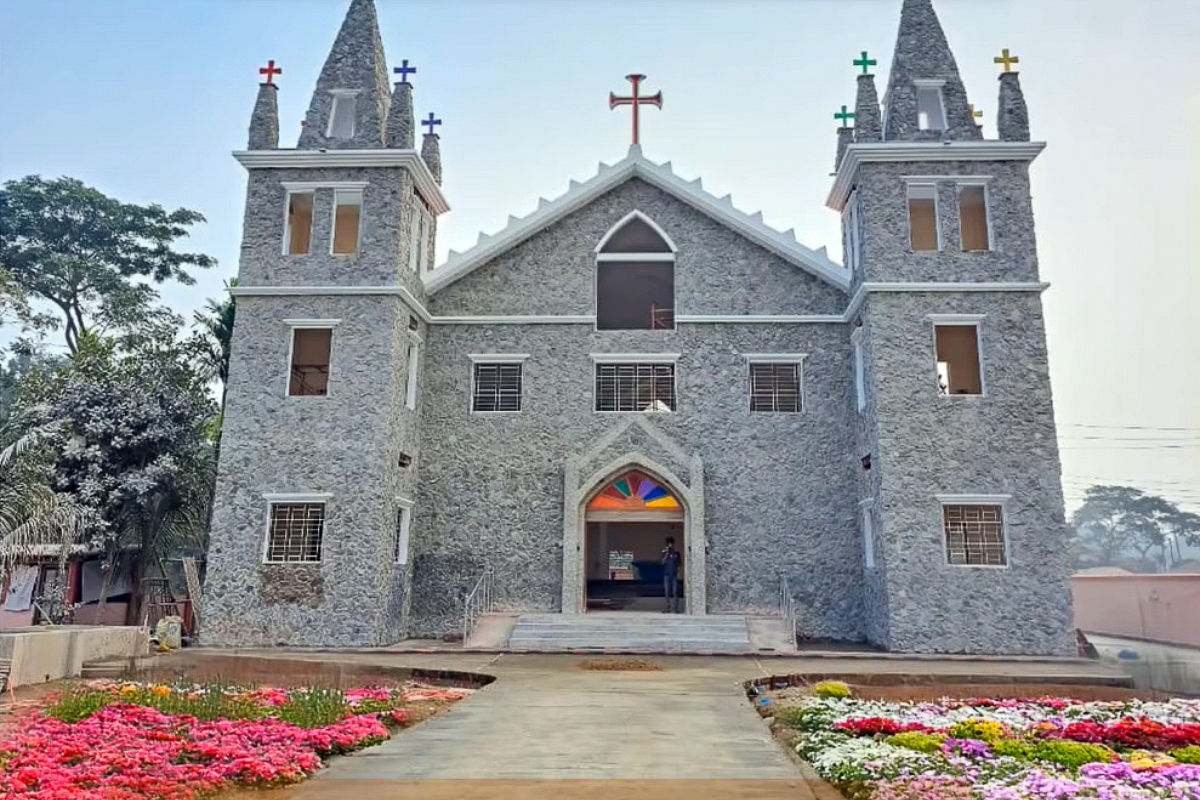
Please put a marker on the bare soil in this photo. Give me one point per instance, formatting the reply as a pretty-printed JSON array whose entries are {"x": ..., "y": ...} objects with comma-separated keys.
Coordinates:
[{"x": 621, "y": 664}]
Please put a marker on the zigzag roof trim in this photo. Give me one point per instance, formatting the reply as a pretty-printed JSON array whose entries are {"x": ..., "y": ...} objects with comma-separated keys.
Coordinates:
[{"x": 608, "y": 176}]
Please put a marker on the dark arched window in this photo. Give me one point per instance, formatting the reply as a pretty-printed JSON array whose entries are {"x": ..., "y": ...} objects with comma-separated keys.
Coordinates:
[{"x": 635, "y": 276}]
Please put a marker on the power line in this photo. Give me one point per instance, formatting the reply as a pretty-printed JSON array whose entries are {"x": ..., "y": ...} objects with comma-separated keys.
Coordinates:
[{"x": 1126, "y": 427}]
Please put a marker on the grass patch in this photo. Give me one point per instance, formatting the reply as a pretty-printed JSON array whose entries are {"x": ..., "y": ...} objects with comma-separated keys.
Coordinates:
[{"x": 621, "y": 665}]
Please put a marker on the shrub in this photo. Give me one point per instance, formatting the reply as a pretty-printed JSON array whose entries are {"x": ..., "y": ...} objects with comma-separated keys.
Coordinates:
[
  {"x": 985, "y": 730},
  {"x": 806, "y": 718},
  {"x": 1187, "y": 755},
  {"x": 831, "y": 689},
  {"x": 1015, "y": 748},
  {"x": 1071, "y": 755},
  {"x": 914, "y": 740}
]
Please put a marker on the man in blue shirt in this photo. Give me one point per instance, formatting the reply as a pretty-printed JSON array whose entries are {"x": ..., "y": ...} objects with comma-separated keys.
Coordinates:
[{"x": 670, "y": 564}]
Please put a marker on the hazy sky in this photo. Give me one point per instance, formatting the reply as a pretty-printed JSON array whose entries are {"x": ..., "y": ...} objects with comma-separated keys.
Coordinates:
[{"x": 145, "y": 99}]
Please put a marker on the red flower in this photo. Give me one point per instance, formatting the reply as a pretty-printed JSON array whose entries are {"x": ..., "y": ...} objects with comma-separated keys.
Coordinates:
[{"x": 874, "y": 726}]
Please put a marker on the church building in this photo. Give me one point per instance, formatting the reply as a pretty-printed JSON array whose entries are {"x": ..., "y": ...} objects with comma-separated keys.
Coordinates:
[{"x": 637, "y": 360}]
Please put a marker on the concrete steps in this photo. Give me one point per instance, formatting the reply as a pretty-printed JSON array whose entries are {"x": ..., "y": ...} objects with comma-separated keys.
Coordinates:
[{"x": 630, "y": 630}]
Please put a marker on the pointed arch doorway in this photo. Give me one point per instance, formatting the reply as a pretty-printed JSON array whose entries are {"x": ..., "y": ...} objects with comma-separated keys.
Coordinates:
[{"x": 628, "y": 522}]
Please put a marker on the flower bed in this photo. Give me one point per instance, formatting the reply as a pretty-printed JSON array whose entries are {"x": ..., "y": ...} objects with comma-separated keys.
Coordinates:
[
  {"x": 1047, "y": 748},
  {"x": 128, "y": 741}
]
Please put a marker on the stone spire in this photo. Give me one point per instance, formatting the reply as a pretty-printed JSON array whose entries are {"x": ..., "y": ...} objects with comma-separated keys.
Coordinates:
[
  {"x": 923, "y": 60},
  {"x": 431, "y": 154},
  {"x": 355, "y": 74},
  {"x": 264, "y": 122},
  {"x": 845, "y": 139},
  {"x": 867, "y": 126},
  {"x": 1012, "y": 118},
  {"x": 400, "y": 118}
]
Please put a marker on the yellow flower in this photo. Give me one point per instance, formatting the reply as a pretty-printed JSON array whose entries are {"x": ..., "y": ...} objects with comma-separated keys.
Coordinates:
[
  {"x": 128, "y": 689},
  {"x": 161, "y": 691}
]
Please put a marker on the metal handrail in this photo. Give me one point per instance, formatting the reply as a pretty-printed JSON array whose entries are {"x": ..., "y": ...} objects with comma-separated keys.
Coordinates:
[
  {"x": 478, "y": 601},
  {"x": 787, "y": 606}
]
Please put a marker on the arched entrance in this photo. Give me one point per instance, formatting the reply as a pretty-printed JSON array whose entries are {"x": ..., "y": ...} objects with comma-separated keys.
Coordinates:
[{"x": 628, "y": 522}]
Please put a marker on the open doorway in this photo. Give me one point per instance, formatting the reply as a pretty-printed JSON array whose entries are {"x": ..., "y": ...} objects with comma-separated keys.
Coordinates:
[{"x": 629, "y": 523}]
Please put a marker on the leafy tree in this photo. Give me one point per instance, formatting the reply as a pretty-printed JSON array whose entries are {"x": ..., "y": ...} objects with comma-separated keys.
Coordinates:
[
  {"x": 1115, "y": 521},
  {"x": 126, "y": 424},
  {"x": 216, "y": 333},
  {"x": 91, "y": 256}
]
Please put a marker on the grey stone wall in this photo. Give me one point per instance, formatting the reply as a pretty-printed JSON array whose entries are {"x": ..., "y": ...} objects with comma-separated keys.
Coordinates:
[
  {"x": 1000, "y": 443},
  {"x": 717, "y": 271},
  {"x": 883, "y": 215},
  {"x": 779, "y": 487}
]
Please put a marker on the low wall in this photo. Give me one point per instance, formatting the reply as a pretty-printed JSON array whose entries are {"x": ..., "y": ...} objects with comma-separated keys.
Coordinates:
[
  {"x": 1160, "y": 608},
  {"x": 41, "y": 654}
]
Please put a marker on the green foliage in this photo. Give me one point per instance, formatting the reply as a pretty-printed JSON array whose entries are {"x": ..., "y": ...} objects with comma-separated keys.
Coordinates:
[
  {"x": 1117, "y": 520},
  {"x": 806, "y": 718},
  {"x": 1071, "y": 755},
  {"x": 847, "y": 772},
  {"x": 985, "y": 730},
  {"x": 1187, "y": 755},
  {"x": 831, "y": 689},
  {"x": 915, "y": 740},
  {"x": 314, "y": 708},
  {"x": 1015, "y": 748},
  {"x": 78, "y": 703},
  {"x": 87, "y": 254}
]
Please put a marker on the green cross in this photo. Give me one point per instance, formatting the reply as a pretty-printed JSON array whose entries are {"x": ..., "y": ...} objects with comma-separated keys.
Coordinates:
[
  {"x": 845, "y": 116},
  {"x": 974, "y": 113},
  {"x": 865, "y": 62}
]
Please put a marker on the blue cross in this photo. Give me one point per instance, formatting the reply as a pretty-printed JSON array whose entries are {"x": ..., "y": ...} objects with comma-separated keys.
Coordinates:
[
  {"x": 404, "y": 70},
  {"x": 431, "y": 122}
]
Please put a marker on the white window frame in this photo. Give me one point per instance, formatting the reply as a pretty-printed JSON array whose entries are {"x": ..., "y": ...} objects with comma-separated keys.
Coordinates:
[
  {"x": 403, "y": 531},
  {"x": 411, "y": 378},
  {"x": 939, "y": 86},
  {"x": 974, "y": 183},
  {"x": 338, "y": 193},
  {"x": 920, "y": 186},
  {"x": 284, "y": 499},
  {"x": 636, "y": 358},
  {"x": 299, "y": 324},
  {"x": 775, "y": 358},
  {"x": 632, "y": 257},
  {"x": 860, "y": 370},
  {"x": 287, "y": 221},
  {"x": 1000, "y": 500},
  {"x": 961, "y": 320},
  {"x": 496, "y": 358},
  {"x": 867, "y": 530},
  {"x": 853, "y": 236},
  {"x": 418, "y": 232},
  {"x": 337, "y": 95}
]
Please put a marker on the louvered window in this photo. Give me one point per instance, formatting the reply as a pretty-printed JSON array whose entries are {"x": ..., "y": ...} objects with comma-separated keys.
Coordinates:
[
  {"x": 497, "y": 387},
  {"x": 775, "y": 387}
]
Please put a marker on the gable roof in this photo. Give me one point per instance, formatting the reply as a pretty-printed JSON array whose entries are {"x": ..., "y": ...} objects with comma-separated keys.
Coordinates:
[{"x": 609, "y": 176}]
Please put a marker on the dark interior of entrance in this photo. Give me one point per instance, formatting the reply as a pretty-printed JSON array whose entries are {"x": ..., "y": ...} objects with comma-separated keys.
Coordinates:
[{"x": 624, "y": 564}]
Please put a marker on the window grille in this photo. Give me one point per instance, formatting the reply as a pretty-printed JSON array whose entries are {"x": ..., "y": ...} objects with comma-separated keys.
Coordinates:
[
  {"x": 775, "y": 387},
  {"x": 497, "y": 387},
  {"x": 635, "y": 387},
  {"x": 974, "y": 535},
  {"x": 296, "y": 531}
]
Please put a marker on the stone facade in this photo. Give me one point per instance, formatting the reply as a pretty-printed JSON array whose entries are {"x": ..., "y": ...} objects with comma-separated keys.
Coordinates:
[{"x": 766, "y": 496}]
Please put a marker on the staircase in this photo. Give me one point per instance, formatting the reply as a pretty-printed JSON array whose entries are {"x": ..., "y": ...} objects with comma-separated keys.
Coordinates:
[{"x": 647, "y": 632}]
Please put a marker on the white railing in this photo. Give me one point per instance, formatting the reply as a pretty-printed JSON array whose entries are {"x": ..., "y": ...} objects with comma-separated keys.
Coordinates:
[
  {"x": 477, "y": 602},
  {"x": 787, "y": 607}
]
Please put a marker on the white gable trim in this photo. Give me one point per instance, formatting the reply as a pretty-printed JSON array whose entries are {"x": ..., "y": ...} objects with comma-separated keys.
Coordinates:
[
  {"x": 636, "y": 214},
  {"x": 660, "y": 176}
]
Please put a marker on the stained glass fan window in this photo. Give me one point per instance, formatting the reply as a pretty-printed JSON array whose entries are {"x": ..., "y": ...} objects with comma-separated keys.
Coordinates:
[{"x": 634, "y": 491}]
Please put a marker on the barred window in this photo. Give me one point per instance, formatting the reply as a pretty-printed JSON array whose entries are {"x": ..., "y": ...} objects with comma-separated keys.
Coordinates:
[
  {"x": 775, "y": 387},
  {"x": 635, "y": 387},
  {"x": 295, "y": 533},
  {"x": 497, "y": 387},
  {"x": 974, "y": 535}
]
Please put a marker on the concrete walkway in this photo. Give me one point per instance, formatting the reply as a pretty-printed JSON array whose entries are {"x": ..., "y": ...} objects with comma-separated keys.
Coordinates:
[{"x": 549, "y": 729}]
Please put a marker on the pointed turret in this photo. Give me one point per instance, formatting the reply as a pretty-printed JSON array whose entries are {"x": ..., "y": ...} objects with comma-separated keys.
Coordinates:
[
  {"x": 400, "y": 118},
  {"x": 867, "y": 125},
  {"x": 264, "y": 122},
  {"x": 925, "y": 99},
  {"x": 431, "y": 154},
  {"x": 1013, "y": 116},
  {"x": 349, "y": 107},
  {"x": 845, "y": 139}
]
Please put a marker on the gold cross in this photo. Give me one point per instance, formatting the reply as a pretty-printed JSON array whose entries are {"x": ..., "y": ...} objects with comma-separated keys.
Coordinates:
[
  {"x": 1007, "y": 60},
  {"x": 975, "y": 114}
]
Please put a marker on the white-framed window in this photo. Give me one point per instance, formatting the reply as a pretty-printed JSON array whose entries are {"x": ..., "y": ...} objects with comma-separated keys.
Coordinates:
[
  {"x": 635, "y": 276},
  {"x": 419, "y": 237},
  {"x": 974, "y": 531},
  {"x": 342, "y": 114},
  {"x": 297, "y": 234},
  {"x": 974, "y": 217},
  {"x": 347, "y": 221},
  {"x": 295, "y": 530},
  {"x": 931, "y": 107},
  {"x": 924, "y": 225},
  {"x": 860, "y": 370},
  {"x": 776, "y": 382},
  {"x": 496, "y": 382},
  {"x": 309, "y": 357},
  {"x": 635, "y": 382},
  {"x": 403, "y": 525},
  {"x": 868, "y": 533},
  {"x": 958, "y": 354},
  {"x": 853, "y": 236},
  {"x": 411, "y": 378}
]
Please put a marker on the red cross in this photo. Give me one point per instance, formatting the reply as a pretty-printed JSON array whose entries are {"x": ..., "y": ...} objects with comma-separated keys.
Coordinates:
[
  {"x": 270, "y": 70},
  {"x": 635, "y": 100}
]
